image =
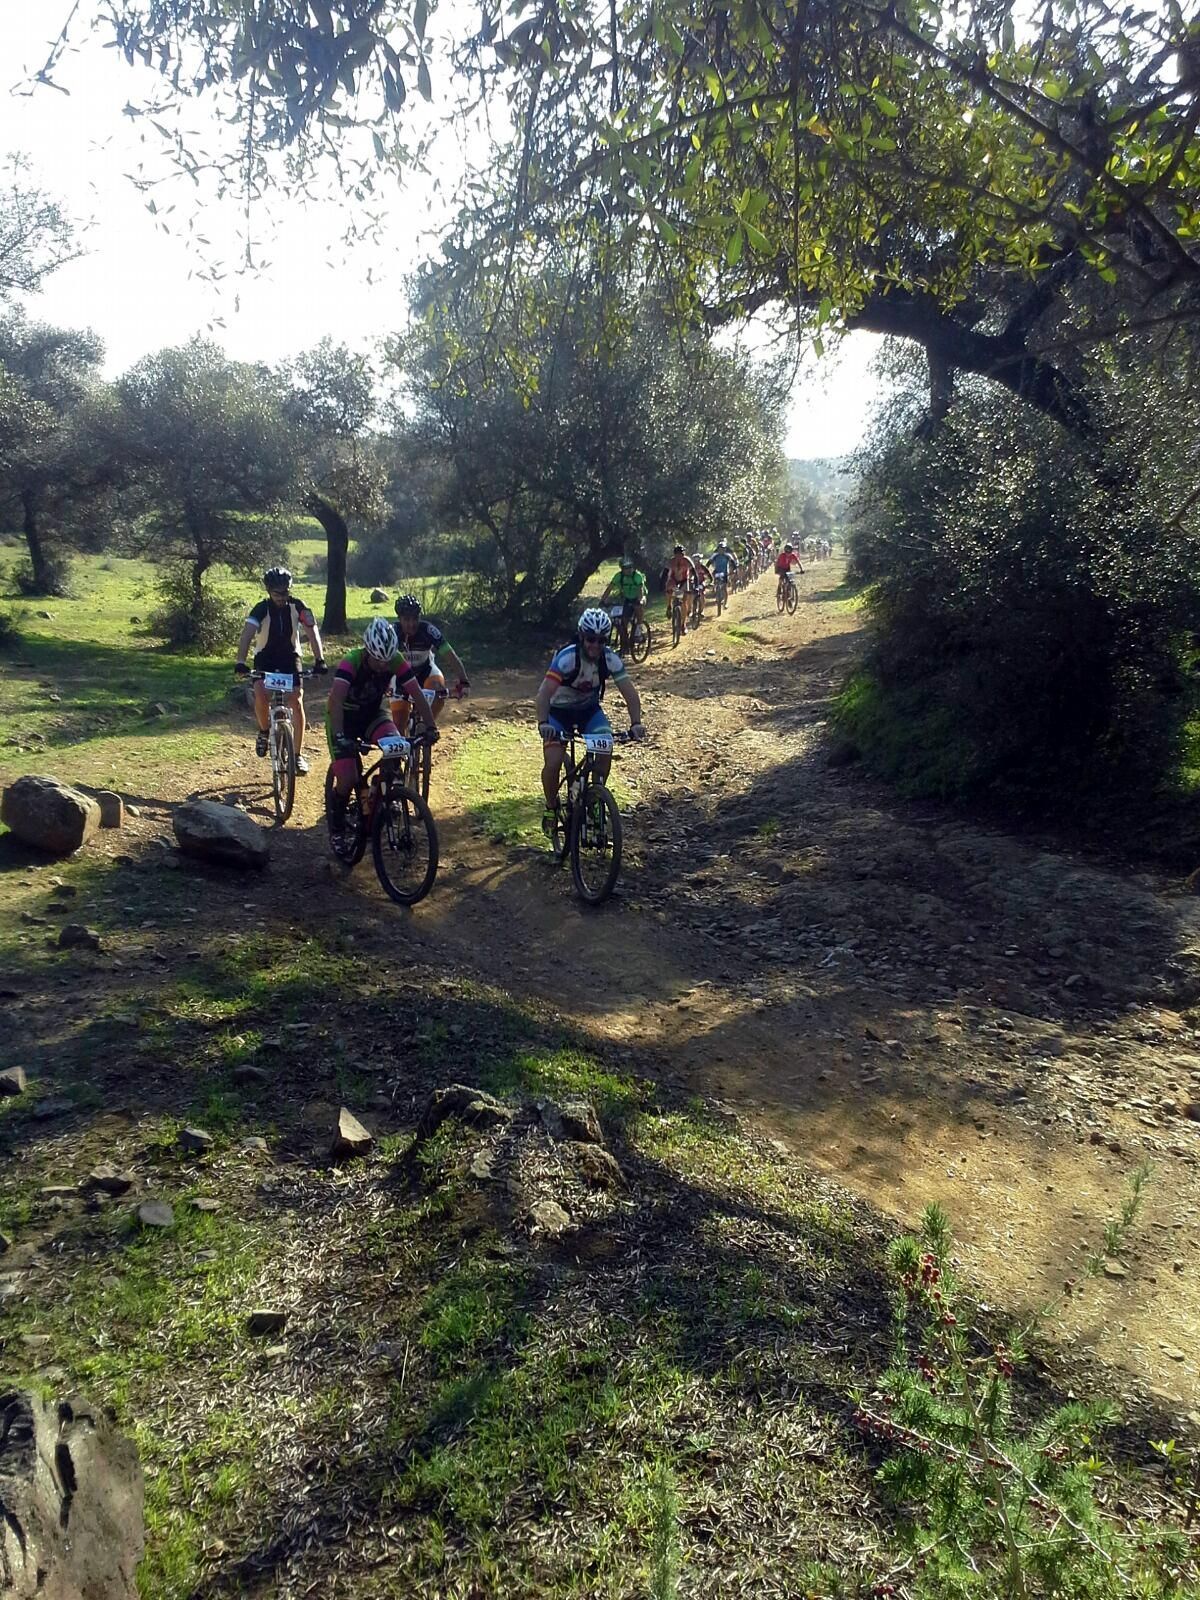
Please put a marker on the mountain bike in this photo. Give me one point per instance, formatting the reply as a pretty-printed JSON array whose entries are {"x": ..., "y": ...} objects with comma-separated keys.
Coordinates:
[
  {"x": 281, "y": 739},
  {"x": 720, "y": 592},
  {"x": 630, "y": 644},
  {"x": 697, "y": 606},
  {"x": 678, "y": 600},
  {"x": 787, "y": 595},
  {"x": 385, "y": 808},
  {"x": 587, "y": 821}
]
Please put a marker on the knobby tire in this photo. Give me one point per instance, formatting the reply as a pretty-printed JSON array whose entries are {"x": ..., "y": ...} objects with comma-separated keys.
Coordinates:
[
  {"x": 283, "y": 771},
  {"x": 595, "y": 893},
  {"x": 354, "y": 834},
  {"x": 411, "y": 819}
]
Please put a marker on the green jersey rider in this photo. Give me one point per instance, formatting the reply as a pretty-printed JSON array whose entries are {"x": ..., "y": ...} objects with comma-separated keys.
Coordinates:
[{"x": 632, "y": 588}]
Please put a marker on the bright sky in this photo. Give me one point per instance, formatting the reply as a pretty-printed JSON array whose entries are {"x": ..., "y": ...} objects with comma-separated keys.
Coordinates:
[{"x": 138, "y": 284}]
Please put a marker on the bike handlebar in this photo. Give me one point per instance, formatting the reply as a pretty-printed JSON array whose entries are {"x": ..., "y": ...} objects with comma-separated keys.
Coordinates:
[{"x": 257, "y": 677}]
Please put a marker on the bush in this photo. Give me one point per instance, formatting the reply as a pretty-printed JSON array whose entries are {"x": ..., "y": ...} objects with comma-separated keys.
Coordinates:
[
  {"x": 205, "y": 629},
  {"x": 317, "y": 570},
  {"x": 9, "y": 634},
  {"x": 1030, "y": 603},
  {"x": 58, "y": 579}
]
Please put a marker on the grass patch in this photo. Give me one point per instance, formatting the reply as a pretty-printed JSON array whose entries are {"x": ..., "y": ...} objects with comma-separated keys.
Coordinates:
[
  {"x": 909, "y": 738},
  {"x": 498, "y": 775},
  {"x": 563, "y": 1072}
]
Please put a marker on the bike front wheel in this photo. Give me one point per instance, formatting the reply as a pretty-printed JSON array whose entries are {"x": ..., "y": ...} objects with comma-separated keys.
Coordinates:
[
  {"x": 595, "y": 845},
  {"x": 639, "y": 643},
  {"x": 676, "y": 625},
  {"x": 404, "y": 845},
  {"x": 793, "y": 599},
  {"x": 283, "y": 771}
]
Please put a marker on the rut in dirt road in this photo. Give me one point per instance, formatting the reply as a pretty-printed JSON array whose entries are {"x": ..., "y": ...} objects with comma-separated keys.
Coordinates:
[{"x": 923, "y": 1007}]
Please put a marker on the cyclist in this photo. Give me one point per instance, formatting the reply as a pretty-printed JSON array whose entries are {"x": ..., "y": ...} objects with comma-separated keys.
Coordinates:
[
  {"x": 420, "y": 641},
  {"x": 355, "y": 711},
  {"x": 273, "y": 627},
  {"x": 724, "y": 564},
  {"x": 629, "y": 585},
  {"x": 680, "y": 571},
  {"x": 703, "y": 578},
  {"x": 569, "y": 700},
  {"x": 785, "y": 562}
]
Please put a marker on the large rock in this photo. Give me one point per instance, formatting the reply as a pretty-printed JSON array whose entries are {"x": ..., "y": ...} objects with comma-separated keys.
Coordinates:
[
  {"x": 50, "y": 814},
  {"x": 350, "y": 1138},
  {"x": 112, "y": 808},
  {"x": 378, "y": 596},
  {"x": 71, "y": 1495},
  {"x": 220, "y": 833}
]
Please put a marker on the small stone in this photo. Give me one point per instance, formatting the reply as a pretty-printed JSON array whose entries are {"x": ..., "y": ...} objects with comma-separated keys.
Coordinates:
[
  {"x": 262, "y": 1322},
  {"x": 77, "y": 937},
  {"x": 64, "y": 891},
  {"x": 1115, "y": 1269},
  {"x": 108, "y": 1179},
  {"x": 598, "y": 1165},
  {"x": 5, "y": 1244},
  {"x": 55, "y": 1106},
  {"x": 59, "y": 1191},
  {"x": 201, "y": 1202},
  {"x": 481, "y": 1167},
  {"x": 1174, "y": 1353},
  {"x": 156, "y": 1214},
  {"x": 255, "y": 1145},
  {"x": 35, "y": 1341},
  {"x": 377, "y": 597},
  {"x": 112, "y": 808},
  {"x": 133, "y": 811},
  {"x": 549, "y": 1217},
  {"x": 12, "y": 1082},
  {"x": 195, "y": 1140},
  {"x": 580, "y": 1122},
  {"x": 246, "y": 1075},
  {"x": 350, "y": 1138}
]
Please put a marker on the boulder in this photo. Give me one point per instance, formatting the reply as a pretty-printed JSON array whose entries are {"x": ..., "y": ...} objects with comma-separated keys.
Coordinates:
[
  {"x": 72, "y": 1496},
  {"x": 49, "y": 814},
  {"x": 12, "y": 1082},
  {"x": 220, "y": 833},
  {"x": 156, "y": 1214},
  {"x": 572, "y": 1119},
  {"x": 75, "y": 936},
  {"x": 597, "y": 1165},
  {"x": 378, "y": 596},
  {"x": 350, "y": 1138}
]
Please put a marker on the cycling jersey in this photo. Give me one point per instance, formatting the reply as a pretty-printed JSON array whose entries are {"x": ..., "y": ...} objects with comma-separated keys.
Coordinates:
[
  {"x": 785, "y": 561},
  {"x": 631, "y": 585},
  {"x": 703, "y": 575},
  {"x": 679, "y": 570},
  {"x": 721, "y": 562},
  {"x": 578, "y": 678},
  {"x": 420, "y": 648},
  {"x": 277, "y": 642},
  {"x": 366, "y": 688}
]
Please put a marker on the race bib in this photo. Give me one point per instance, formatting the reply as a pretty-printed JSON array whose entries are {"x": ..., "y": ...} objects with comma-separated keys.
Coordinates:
[
  {"x": 393, "y": 744},
  {"x": 598, "y": 744},
  {"x": 278, "y": 682}
]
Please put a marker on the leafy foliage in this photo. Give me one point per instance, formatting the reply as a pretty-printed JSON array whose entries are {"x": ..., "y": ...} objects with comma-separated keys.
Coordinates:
[
  {"x": 59, "y": 472},
  {"x": 994, "y": 1504},
  {"x": 575, "y": 424},
  {"x": 36, "y": 236},
  {"x": 214, "y": 460},
  {"x": 201, "y": 627},
  {"x": 1032, "y": 599}
]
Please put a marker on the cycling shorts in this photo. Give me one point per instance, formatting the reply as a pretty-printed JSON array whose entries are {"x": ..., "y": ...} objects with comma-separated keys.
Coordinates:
[
  {"x": 272, "y": 661},
  {"x": 584, "y": 719},
  {"x": 363, "y": 725}
]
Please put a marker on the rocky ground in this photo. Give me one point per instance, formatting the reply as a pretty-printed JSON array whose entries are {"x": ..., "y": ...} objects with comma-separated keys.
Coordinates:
[{"x": 808, "y": 1002}]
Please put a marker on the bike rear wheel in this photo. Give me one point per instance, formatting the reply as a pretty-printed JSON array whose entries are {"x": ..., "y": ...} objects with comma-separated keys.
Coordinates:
[
  {"x": 283, "y": 770},
  {"x": 348, "y": 842},
  {"x": 793, "y": 599},
  {"x": 422, "y": 766},
  {"x": 639, "y": 644},
  {"x": 595, "y": 844},
  {"x": 404, "y": 844},
  {"x": 676, "y": 624}
]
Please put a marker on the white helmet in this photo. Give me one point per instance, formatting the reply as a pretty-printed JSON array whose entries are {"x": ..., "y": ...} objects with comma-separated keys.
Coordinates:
[
  {"x": 596, "y": 622},
  {"x": 380, "y": 638}
]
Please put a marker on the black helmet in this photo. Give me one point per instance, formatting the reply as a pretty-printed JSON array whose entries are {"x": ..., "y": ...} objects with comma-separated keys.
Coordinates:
[
  {"x": 407, "y": 605},
  {"x": 277, "y": 578},
  {"x": 678, "y": 549}
]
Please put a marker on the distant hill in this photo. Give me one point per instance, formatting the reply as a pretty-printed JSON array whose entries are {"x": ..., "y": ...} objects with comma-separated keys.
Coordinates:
[{"x": 830, "y": 477}]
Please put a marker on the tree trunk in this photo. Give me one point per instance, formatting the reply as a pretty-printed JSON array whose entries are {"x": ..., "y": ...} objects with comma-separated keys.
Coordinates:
[
  {"x": 199, "y": 567},
  {"x": 43, "y": 581},
  {"x": 337, "y": 543}
]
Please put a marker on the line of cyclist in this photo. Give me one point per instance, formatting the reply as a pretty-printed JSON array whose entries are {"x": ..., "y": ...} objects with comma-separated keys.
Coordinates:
[{"x": 394, "y": 673}]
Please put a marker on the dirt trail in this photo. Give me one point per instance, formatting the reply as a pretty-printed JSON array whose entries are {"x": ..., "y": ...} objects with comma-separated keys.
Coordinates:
[{"x": 922, "y": 1007}]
